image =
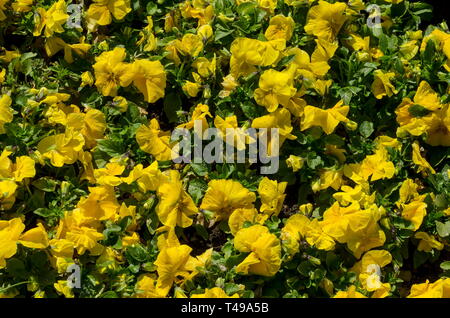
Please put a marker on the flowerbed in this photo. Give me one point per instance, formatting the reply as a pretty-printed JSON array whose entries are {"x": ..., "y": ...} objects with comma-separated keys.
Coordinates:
[{"x": 93, "y": 204}]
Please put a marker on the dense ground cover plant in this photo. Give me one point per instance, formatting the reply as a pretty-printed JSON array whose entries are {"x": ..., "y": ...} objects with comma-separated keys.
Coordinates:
[{"x": 91, "y": 92}]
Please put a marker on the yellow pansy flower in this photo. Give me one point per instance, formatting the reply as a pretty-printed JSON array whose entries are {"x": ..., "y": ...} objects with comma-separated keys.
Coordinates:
[
  {"x": 373, "y": 167},
  {"x": 407, "y": 192},
  {"x": 224, "y": 196},
  {"x": 248, "y": 53},
  {"x": 147, "y": 36},
  {"x": 205, "y": 67},
  {"x": 359, "y": 193},
  {"x": 326, "y": 19},
  {"x": 420, "y": 161},
  {"x": 349, "y": 293},
  {"x": 264, "y": 248},
  {"x": 205, "y": 31},
  {"x": 327, "y": 119},
  {"x": 7, "y": 194},
  {"x": 200, "y": 10},
  {"x": 150, "y": 79},
  {"x": 52, "y": 19},
  {"x": 54, "y": 44},
  {"x": 175, "y": 265},
  {"x": 328, "y": 178},
  {"x": 339, "y": 221},
  {"x": 22, "y": 5},
  {"x": 148, "y": 178},
  {"x": 439, "y": 289},
  {"x": 295, "y": 229},
  {"x": 100, "y": 12},
  {"x": 146, "y": 287},
  {"x": 8, "y": 56},
  {"x": 415, "y": 212},
  {"x": 428, "y": 242},
  {"x": 190, "y": 44},
  {"x": 370, "y": 237},
  {"x": 275, "y": 88},
  {"x": 229, "y": 85},
  {"x": 241, "y": 215},
  {"x": 316, "y": 236},
  {"x": 2, "y": 75},
  {"x": 414, "y": 115},
  {"x": 120, "y": 103},
  {"x": 61, "y": 248},
  {"x": 101, "y": 204},
  {"x": 111, "y": 72},
  {"x": 382, "y": 85},
  {"x": 62, "y": 148},
  {"x": 201, "y": 112},
  {"x": 130, "y": 240},
  {"x": 63, "y": 288},
  {"x": 85, "y": 239},
  {"x": 438, "y": 127},
  {"x": 295, "y": 162},
  {"x": 272, "y": 196},
  {"x": 281, "y": 119},
  {"x": 87, "y": 79},
  {"x": 230, "y": 131},
  {"x": 6, "y": 112},
  {"x": 369, "y": 272},
  {"x": 154, "y": 141},
  {"x": 280, "y": 27},
  {"x": 110, "y": 175},
  {"x": 11, "y": 235},
  {"x": 92, "y": 125},
  {"x": 191, "y": 88},
  {"x": 175, "y": 206},
  {"x": 409, "y": 49}
]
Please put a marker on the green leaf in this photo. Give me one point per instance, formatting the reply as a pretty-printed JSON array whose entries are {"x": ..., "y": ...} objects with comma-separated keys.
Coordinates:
[
  {"x": 246, "y": 8},
  {"x": 286, "y": 60},
  {"x": 420, "y": 258},
  {"x": 16, "y": 268},
  {"x": 45, "y": 184},
  {"x": 445, "y": 265},
  {"x": 305, "y": 268},
  {"x": 112, "y": 147},
  {"x": 152, "y": 222},
  {"x": 110, "y": 294},
  {"x": 418, "y": 110},
  {"x": 137, "y": 252},
  {"x": 196, "y": 189},
  {"x": 172, "y": 104},
  {"x": 151, "y": 8},
  {"x": 366, "y": 129},
  {"x": 200, "y": 169},
  {"x": 313, "y": 160},
  {"x": 443, "y": 229},
  {"x": 251, "y": 111},
  {"x": 334, "y": 139},
  {"x": 384, "y": 43},
  {"x": 220, "y": 34},
  {"x": 429, "y": 52},
  {"x": 201, "y": 230}
]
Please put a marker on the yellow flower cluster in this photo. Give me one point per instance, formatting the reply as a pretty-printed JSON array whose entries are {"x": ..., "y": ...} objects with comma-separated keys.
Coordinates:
[{"x": 357, "y": 114}]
